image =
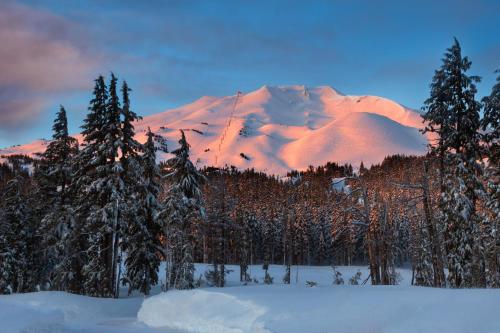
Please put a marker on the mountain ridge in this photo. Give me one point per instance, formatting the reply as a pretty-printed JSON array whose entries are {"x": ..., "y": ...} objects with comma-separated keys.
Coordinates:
[{"x": 276, "y": 129}]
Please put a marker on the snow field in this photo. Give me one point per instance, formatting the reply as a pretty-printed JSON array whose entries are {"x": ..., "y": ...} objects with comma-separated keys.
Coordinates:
[{"x": 260, "y": 308}]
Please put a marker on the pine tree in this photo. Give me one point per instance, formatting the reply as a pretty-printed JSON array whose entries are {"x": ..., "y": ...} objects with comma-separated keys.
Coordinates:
[
  {"x": 89, "y": 164},
  {"x": 219, "y": 227},
  {"x": 453, "y": 114},
  {"x": 423, "y": 266},
  {"x": 101, "y": 178},
  {"x": 16, "y": 239},
  {"x": 183, "y": 204},
  {"x": 82, "y": 268},
  {"x": 134, "y": 192},
  {"x": 242, "y": 244},
  {"x": 362, "y": 169},
  {"x": 491, "y": 213},
  {"x": 491, "y": 120},
  {"x": 142, "y": 243},
  {"x": 130, "y": 145},
  {"x": 53, "y": 178}
]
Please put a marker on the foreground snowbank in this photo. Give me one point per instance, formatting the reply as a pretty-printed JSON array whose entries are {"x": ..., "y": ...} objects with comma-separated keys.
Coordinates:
[
  {"x": 202, "y": 311},
  {"x": 59, "y": 312},
  {"x": 339, "y": 309},
  {"x": 255, "y": 308}
]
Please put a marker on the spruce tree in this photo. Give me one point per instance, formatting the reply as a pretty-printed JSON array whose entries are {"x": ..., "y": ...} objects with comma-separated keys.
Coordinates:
[
  {"x": 219, "y": 222},
  {"x": 142, "y": 243},
  {"x": 182, "y": 206},
  {"x": 491, "y": 212},
  {"x": 53, "y": 179},
  {"x": 102, "y": 190},
  {"x": 423, "y": 263},
  {"x": 90, "y": 163},
  {"x": 130, "y": 145},
  {"x": 16, "y": 240},
  {"x": 133, "y": 186},
  {"x": 453, "y": 114}
]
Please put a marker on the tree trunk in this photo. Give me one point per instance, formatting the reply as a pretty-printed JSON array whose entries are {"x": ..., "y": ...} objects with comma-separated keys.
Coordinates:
[{"x": 437, "y": 256}]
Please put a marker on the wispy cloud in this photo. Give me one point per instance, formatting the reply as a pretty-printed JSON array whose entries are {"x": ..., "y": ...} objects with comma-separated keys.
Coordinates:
[
  {"x": 39, "y": 58},
  {"x": 172, "y": 52}
]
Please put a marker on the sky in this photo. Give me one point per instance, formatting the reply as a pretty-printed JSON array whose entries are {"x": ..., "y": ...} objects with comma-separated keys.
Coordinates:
[{"x": 173, "y": 52}]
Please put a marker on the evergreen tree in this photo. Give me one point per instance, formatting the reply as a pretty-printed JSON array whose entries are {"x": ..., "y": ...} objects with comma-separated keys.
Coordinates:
[
  {"x": 362, "y": 169},
  {"x": 16, "y": 240},
  {"x": 183, "y": 204},
  {"x": 453, "y": 113},
  {"x": 103, "y": 189},
  {"x": 86, "y": 168},
  {"x": 53, "y": 179},
  {"x": 134, "y": 190},
  {"x": 219, "y": 228},
  {"x": 142, "y": 235},
  {"x": 491, "y": 120},
  {"x": 243, "y": 245},
  {"x": 491, "y": 213},
  {"x": 130, "y": 145},
  {"x": 423, "y": 265}
]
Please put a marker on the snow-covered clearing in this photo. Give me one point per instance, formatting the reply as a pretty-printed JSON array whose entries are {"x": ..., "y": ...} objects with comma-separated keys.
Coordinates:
[{"x": 263, "y": 308}]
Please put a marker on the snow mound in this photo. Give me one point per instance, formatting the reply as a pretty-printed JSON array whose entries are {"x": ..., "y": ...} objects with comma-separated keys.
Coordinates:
[{"x": 202, "y": 311}]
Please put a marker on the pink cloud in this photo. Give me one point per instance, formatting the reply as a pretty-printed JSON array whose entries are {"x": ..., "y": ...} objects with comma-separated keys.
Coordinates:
[{"x": 40, "y": 55}]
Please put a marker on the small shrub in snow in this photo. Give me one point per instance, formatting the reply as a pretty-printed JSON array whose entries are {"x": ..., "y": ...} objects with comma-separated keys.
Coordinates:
[
  {"x": 268, "y": 279},
  {"x": 396, "y": 278},
  {"x": 246, "y": 277},
  {"x": 337, "y": 277},
  {"x": 214, "y": 276},
  {"x": 199, "y": 283},
  {"x": 286, "y": 277},
  {"x": 354, "y": 280},
  {"x": 311, "y": 283}
]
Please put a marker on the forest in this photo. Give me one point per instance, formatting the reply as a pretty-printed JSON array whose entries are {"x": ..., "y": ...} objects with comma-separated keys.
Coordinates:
[{"x": 88, "y": 217}]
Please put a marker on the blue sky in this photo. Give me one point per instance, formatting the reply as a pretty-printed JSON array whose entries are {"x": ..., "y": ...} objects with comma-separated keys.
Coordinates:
[{"x": 172, "y": 52}]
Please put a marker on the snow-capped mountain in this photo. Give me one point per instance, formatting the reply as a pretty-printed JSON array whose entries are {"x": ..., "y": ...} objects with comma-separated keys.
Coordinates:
[{"x": 276, "y": 129}]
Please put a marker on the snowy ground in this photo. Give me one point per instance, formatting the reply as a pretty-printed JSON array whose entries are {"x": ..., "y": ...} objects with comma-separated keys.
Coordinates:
[{"x": 261, "y": 308}]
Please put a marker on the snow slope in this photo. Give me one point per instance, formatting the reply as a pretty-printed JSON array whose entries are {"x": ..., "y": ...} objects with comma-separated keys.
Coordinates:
[
  {"x": 284, "y": 128},
  {"x": 260, "y": 308}
]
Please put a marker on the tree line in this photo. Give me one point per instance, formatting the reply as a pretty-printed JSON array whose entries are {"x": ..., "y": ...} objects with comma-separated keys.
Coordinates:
[{"x": 86, "y": 218}]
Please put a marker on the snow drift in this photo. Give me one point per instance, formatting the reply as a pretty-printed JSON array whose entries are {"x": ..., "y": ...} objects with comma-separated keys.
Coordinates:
[
  {"x": 276, "y": 129},
  {"x": 254, "y": 308},
  {"x": 202, "y": 311}
]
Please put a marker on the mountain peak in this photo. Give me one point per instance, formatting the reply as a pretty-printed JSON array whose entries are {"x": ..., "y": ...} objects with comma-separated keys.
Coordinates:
[{"x": 279, "y": 128}]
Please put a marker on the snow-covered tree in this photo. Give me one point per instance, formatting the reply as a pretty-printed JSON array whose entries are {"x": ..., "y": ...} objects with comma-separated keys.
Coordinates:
[
  {"x": 219, "y": 223},
  {"x": 423, "y": 263},
  {"x": 183, "y": 204},
  {"x": 17, "y": 238},
  {"x": 53, "y": 176},
  {"x": 102, "y": 192},
  {"x": 137, "y": 235},
  {"x": 142, "y": 243},
  {"x": 453, "y": 113},
  {"x": 491, "y": 210}
]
